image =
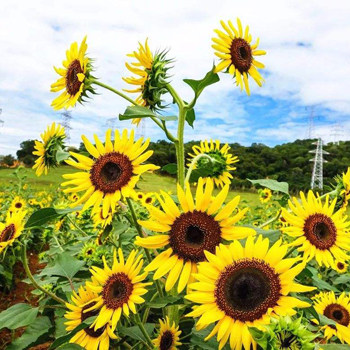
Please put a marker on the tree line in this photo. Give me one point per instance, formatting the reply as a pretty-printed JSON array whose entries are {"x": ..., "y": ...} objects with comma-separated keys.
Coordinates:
[{"x": 288, "y": 162}]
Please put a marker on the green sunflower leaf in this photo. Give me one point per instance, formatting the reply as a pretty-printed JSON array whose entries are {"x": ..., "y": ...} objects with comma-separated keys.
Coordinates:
[
  {"x": 34, "y": 331},
  {"x": 332, "y": 347},
  {"x": 272, "y": 185},
  {"x": 135, "y": 333},
  {"x": 190, "y": 117},
  {"x": 199, "y": 85},
  {"x": 18, "y": 315},
  {"x": 170, "y": 168},
  {"x": 133, "y": 112},
  {"x": 61, "y": 155},
  {"x": 164, "y": 301}
]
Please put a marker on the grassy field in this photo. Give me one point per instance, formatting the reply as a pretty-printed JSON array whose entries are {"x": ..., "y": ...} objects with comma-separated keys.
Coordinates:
[{"x": 148, "y": 183}]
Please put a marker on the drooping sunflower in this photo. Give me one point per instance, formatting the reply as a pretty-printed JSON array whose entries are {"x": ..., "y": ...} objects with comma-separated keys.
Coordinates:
[
  {"x": 74, "y": 77},
  {"x": 265, "y": 195},
  {"x": 52, "y": 141},
  {"x": 221, "y": 164},
  {"x": 236, "y": 52},
  {"x": 11, "y": 229},
  {"x": 187, "y": 232},
  {"x": 112, "y": 172},
  {"x": 241, "y": 287},
  {"x": 341, "y": 267},
  {"x": 88, "y": 338},
  {"x": 17, "y": 204},
  {"x": 151, "y": 71},
  {"x": 119, "y": 288},
  {"x": 169, "y": 335},
  {"x": 338, "y": 310},
  {"x": 317, "y": 231}
]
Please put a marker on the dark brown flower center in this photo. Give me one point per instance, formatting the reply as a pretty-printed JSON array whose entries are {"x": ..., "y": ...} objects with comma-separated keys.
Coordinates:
[
  {"x": 340, "y": 266},
  {"x": 8, "y": 233},
  {"x": 85, "y": 315},
  {"x": 320, "y": 230},
  {"x": 337, "y": 313},
  {"x": 89, "y": 251},
  {"x": 241, "y": 55},
  {"x": 246, "y": 289},
  {"x": 18, "y": 205},
  {"x": 111, "y": 172},
  {"x": 192, "y": 233},
  {"x": 148, "y": 200},
  {"x": 117, "y": 290},
  {"x": 166, "y": 341},
  {"x": 72, "y": 81}
]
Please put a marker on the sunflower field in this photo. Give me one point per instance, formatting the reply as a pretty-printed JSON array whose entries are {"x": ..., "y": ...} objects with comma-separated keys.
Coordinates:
[{"x": 98, "y": 264}]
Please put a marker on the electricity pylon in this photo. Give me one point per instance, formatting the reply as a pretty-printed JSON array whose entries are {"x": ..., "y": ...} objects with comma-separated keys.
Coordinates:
[
  {"x": 66, "y": 119},
  {"x": 317, "y": 172}
]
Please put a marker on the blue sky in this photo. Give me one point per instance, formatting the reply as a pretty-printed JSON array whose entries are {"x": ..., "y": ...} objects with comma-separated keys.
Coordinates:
[{"x": 307, "y": 65}]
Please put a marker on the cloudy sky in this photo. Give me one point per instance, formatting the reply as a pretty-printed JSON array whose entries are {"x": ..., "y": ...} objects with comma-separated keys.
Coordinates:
[{"x": 307, "y": 65}]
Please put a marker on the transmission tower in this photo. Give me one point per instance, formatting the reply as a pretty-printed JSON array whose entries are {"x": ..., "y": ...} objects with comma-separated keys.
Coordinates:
[
  {"x": 1, "y": 121},
  {"x": 336, "y": 133},
  {"x": 311, "y": 123},
  {"x": 66, "y": 119},
  {"x": 317, "y": 172},
  {"x": 141, "y": 128}
]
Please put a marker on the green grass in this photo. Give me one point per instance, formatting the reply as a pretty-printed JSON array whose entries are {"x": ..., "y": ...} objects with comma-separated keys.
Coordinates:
[{"x": 148, "y": 183}]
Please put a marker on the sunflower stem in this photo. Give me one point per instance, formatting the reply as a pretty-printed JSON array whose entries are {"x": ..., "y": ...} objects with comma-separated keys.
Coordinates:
[
  {"x": 290, "y": 252},
  {"x": 35, "y": 284},
  {"x": 193, "y": 164},
  {"x": 271, "y": 220},
  {"x": 119, "y": 93},
  {"x": 179, "y": 144},
  {"x": 143, "y": 330},
  {"x": 76, "y": 226},
  {"x": 141, "y": 234}
]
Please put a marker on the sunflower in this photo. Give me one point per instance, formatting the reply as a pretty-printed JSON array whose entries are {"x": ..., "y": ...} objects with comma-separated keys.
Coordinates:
[
  {"x": 243, "y": 287},
  {"x": 345, "y": 192},
  {"x": 221, "y": 163},
  {"x": 119, "y": 288},
  {"x": 112, "y": 173},
  {"x": 17, "y": 204},
  {"x": 341, "y": 267},
  {"x": 52, "y": 141},
  {"x": 74, "y": 77},
  {"x": 338, "y": 310},
  {"x": 151, "y": 71},
  {"x": 265, "y": 195},
  {"x": 88, "y": 338},
  {"x": 197, "y": 228},
  {"x": 169, "y": 335},
  {"x": 99, "y": 219},
  {"x": 11, "y": 229},
  {"x": 317, "y": 231},
  {"x": 234, "y": 48}
]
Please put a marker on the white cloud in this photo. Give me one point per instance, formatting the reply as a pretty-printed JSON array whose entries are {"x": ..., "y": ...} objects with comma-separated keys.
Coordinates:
[{"x": 307, "y": 44}]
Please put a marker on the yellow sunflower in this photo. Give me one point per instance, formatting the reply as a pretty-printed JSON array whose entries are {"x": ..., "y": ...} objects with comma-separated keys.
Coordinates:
[
  {"x": 150, "y": 80},
  {"x": 317, "y": 231},
  {"x": 187, "y": 232},
  {"x": 241, "y": 287},
  {"x": 346, "y": 188},
  {"x": 17, "y": 204},
  {"x": 341, "y": 267},
  {"x": 338, "y": 310},
  {"x": 11, "y": 229},
  {"x": 88, "y": 338},
  {"x": 74, "y": 77},
  {"x": 112, "y": 172},
  {"x": 52, "y": 140},
  {"x": 119, "y": 288},
  {"x": 222, "y": 164},
  {"x": 99, "y": 219},
  {"x": 265, "y": 195},
  {"x": 233, "y": 47},
  {"x": 169, "y": 335}
]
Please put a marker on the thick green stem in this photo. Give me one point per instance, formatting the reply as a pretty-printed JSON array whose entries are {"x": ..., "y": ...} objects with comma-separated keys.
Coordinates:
[
  {"x": 179, "y": 144},
  {"x": 193, "y": 164},
  {"x": 271, "y": 220},
  {"x": 141, "y": 234},
  {"x": 144, "y": 332},
  {"x": 119, "y": 93},
  {"x": 35, "y": 284}
]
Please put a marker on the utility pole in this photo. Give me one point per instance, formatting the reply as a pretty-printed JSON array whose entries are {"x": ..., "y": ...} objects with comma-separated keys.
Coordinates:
[{"x": 317, "y": 172}]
